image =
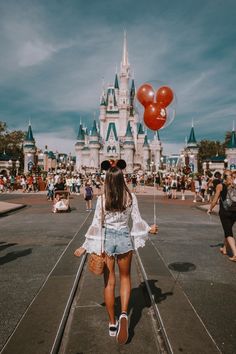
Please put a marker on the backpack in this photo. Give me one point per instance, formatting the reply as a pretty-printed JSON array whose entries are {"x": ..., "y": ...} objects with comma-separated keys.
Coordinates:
[{"x": 230, "y": 201}]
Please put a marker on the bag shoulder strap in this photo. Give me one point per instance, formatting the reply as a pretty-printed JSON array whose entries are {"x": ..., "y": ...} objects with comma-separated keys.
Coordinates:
[{"x": 102, "y": 223}]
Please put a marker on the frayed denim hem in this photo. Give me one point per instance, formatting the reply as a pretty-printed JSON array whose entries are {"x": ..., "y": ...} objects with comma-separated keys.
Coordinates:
[{"x": 118, "y": 254}]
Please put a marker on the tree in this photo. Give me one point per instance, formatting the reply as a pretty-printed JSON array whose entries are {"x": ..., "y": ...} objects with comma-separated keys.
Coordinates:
[
  {"x": 2, "y": 127},
  {"x": 11, "y": 142},
  {"x": 208, "y": 149}
]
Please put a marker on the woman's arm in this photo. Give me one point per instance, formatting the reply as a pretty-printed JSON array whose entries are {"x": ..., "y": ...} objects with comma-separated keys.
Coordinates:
[
  {"x": 219, "y": 188},
  {"x": 140, "y": 225},
  {"x": 94, "y": 229}
]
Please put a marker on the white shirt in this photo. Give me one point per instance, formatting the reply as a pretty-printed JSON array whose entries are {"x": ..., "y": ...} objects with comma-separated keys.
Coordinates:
[{"x": 116, "y": 221}]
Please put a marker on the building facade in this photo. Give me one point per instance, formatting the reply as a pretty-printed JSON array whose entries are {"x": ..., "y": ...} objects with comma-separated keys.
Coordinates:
[{"x": 118, "y": 135}]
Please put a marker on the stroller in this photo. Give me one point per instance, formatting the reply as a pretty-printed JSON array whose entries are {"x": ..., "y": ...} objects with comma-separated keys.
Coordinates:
[{"x": 61, "y": 202}]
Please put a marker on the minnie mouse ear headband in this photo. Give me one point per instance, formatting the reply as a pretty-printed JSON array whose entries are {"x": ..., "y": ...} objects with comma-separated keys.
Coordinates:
[{"x": 105, "y": 165}]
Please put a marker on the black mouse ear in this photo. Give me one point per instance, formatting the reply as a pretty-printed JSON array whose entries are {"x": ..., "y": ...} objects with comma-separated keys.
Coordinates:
[
  {"x": 121, "y": 164},
  {"x": 105, "y": 165}
]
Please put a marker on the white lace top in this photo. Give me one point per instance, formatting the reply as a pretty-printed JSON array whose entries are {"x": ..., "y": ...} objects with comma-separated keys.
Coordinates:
[{"x": 117, "y": 221}]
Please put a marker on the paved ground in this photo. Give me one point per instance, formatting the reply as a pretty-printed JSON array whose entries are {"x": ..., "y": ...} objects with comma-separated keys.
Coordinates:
[{"x": 182, "y": 261}]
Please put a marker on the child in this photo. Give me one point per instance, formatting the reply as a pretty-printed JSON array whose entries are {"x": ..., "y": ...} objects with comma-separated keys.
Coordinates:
[{"x": 88, "y": 195}]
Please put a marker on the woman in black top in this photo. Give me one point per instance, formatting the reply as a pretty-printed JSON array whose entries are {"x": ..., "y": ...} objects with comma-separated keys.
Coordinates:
[{"x": 227, "y": 217}]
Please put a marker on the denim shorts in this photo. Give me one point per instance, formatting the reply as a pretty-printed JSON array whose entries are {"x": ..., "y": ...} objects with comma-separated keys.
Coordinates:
[{"x": 117, "y": 241}]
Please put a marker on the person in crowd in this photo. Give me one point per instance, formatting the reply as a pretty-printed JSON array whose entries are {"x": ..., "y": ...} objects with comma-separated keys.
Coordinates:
[
  {"x": 217, "y": 180},
  {"x": 142, "y": 184},
  {"x": 60, "y": 203},
  {"x": 203, "y": 188},
  {"x": 1, "y": 184},
  {"x": 173, "y": 187},
  {"x": 35, "y": 184},
  {"x": 134, "y": 183},
  {"x": 183, "y": 184},
  {"x": 166, "y": 187},
  {"x": 98, "y": 183},
  {"x": 50, "y": 188},
  {"x": 23, "y": 184},
  {"x": 118, "y": 204},
  {"x": 197, "y": 189},
  {"x": 60, "y": 185},
  {"x": 30, "y": 186},
  {"x": 88, "y": 195},
  {"x": 77, "y": 184},
  {"x": 210, "y": 189},
  {"x": 12, "y": 182},
  {"x": 227, "y": 215},
  {"x": 158, "y": 180}
]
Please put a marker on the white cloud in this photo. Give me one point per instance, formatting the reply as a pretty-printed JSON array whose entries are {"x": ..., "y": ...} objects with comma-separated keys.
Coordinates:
[
  {"x": 32, "y": 53},
  {"x": 62, "y": 141}
]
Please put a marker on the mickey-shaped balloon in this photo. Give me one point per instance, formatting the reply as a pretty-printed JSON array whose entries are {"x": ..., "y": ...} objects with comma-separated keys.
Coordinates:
[{"x": 155, "y": 113}]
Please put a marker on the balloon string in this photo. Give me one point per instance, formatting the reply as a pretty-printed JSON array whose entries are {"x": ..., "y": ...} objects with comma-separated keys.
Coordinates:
[{"x": 154, "y": 201}]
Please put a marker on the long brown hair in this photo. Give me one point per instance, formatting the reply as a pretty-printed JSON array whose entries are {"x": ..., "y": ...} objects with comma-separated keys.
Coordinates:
[{"x": 117, "y": 194}]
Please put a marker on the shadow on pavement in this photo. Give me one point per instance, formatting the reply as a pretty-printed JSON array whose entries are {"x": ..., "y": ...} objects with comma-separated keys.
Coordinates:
[
  {"x": 5, "y": 245},
  {"x": 12, "y": 256},
  {"x": 139, "y": 300}
]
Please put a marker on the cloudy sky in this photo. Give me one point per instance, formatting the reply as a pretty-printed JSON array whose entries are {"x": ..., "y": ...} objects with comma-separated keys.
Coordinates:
[{"x": 55, "y": 54}]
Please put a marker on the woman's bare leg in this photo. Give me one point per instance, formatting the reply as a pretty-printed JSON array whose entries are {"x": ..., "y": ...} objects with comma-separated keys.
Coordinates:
[
  {"x": 109, "y": 288},
  {"x": 231, "y": 243},
  {"x": 124, "y": 264}
]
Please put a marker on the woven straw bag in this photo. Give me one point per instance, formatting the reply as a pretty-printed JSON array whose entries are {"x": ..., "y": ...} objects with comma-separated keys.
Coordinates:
[{"x": 96, "y": 263}]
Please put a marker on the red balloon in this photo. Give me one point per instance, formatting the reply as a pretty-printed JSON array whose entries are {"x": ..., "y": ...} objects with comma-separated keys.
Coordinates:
[
  {"x": 145, "y": 94},
  {"x": 154, "y": 116},
  {"x": 164, "y": 96}
]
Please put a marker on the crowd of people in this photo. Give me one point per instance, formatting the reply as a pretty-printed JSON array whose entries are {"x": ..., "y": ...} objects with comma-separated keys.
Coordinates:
[{"x": 173, "y": 185}]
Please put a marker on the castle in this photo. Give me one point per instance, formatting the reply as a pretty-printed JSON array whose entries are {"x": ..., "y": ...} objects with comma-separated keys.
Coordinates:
[{"x": 119, "y": 135}]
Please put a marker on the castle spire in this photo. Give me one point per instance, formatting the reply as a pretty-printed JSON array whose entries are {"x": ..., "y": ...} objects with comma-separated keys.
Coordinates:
[
  {"x": 232, "y": 142},
  {"x": 146, "y": 141},
  {"x": 125, "y": 60},
  {"x": 116, "y": 85},
  {"x": 192, "y": 140},
  {"x": 29, "y": 135},
  {"x": 94, "y": 129},
  {"x": 80, "y": 133}
]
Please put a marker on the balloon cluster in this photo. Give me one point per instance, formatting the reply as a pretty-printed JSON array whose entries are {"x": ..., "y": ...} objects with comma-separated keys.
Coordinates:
[{"x": 155, "y": 104}]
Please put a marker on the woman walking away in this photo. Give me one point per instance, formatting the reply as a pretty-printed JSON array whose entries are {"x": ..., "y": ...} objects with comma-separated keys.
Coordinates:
[
  {"x": 226, "y": 193},
  {"x": 118, "y": 204}
]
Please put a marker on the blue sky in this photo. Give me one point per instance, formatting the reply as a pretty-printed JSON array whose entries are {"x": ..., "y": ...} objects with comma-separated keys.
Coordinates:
[{"x": 54, "y": 55}]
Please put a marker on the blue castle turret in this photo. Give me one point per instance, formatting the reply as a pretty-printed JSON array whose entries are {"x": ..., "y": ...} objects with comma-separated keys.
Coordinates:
[{"x": 29, "y": 150}]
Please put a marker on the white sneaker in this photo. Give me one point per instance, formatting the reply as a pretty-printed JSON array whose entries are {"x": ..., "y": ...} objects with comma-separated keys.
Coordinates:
[
  {"x": 123, "y": 333},
  {"x": 113, "y": 329}
]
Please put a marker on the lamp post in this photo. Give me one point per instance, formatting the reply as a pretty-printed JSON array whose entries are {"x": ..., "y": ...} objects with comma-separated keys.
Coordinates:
[
  {"x": 10, "y": 166},
  {"x": 225, "y": 164},
  {"x": 17, "y": 167}
]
